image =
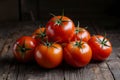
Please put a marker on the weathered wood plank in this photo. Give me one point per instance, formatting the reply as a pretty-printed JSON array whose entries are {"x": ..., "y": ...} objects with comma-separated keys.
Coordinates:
[
  {"x": 5, "y": 61},
  {"x": 80, "y": 73},
  {"x": 93, "y": 71},
  {"x": 89, "y": 72},
  {"x": 15, "y": 33},
  {"x": 113, "y": 62},
  {"x": 13, "y": 70},
  {"x": 114, "y": 66},
  {"x": 105, "y": 71},
  {"x": 34, "y": 72},
  {"x": 2, "y": 64},
  {"x": 30, "y": 71}
]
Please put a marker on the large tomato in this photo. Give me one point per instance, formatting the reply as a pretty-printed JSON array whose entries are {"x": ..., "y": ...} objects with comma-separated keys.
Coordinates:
[
  {"x": 101, "y": 47},
  {"x": 77, "y": 53},
  {"x": 81, "y": 33},
  {"x": 49, "y": 55},
  {"x": 39, "y": 34},
  {"x": 60, "y": 29},
  {"x": 23, "y": 48}
]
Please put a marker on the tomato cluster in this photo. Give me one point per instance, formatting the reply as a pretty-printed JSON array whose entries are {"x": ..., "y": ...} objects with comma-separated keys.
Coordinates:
[{"x": 61, "y": 40}]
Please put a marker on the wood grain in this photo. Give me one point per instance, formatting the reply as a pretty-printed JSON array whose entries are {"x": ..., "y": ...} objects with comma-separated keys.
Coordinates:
[
  {"x": 11, "y": 69},
  {"x": 113, "y": 62}
]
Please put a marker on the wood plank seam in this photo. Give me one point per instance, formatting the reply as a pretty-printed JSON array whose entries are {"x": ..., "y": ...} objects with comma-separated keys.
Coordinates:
[
  {"x": 97, "y": 31},
  {"x": 110, "y": 71}
]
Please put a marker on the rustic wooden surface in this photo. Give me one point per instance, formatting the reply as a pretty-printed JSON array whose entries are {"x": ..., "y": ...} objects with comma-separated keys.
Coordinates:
[{"x": 10, "y": 69}]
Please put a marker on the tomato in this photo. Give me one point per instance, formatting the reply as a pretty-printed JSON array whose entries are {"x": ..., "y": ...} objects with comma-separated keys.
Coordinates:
[
  {"x": 60, "y": 29},
  {"x": 81, "y": 33},
  {"x": 23, "y": 48},
  {"x": 101, "y": 47},
  {"x": 49, "y": 55},
  {"x": 39, "y": 34},
  {"x": 77, "y": 53}
]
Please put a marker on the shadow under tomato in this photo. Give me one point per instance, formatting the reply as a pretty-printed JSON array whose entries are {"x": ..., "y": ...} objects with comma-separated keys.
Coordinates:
[{"x": 96, "y": 62}]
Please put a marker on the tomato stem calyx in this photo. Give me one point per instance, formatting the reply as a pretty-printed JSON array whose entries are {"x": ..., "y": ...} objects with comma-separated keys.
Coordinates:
[
  {"x": 23, "y": 49},
  {"x": 59, "y": 21},
  {"x": 78, "y": 30},
  {"x": 79, "y": 43},
  {"x": 103, "y": 42},
  {"x": 41, "y": 34},
  {"x": 48, "y": 44}
]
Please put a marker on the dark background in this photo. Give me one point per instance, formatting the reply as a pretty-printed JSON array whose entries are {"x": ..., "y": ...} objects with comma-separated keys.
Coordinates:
[{"x": 82, "y": 10}]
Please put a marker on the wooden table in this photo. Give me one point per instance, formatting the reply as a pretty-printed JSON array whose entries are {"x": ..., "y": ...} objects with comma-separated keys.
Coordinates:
[{"x": 10, "y": 69}]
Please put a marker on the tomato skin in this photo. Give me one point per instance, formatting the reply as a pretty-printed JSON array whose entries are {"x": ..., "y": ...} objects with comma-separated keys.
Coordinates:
[
  {"x": 37, "y": 34},
  {"x": 83, "y": 34},
  {"x": 49, "y": 57},
  {"x": 29, "y": 43},
  {"x": 76, "y": 56},
  {"x": 99, "y": 53},
  {"x": 60, "y": 33}
]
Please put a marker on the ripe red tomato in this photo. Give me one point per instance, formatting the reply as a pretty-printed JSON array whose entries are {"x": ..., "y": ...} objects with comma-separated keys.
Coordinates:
[
  {"x": 49, "y": 55},
  {"x": 81, "y": 33},
  {"x": 39, "y": 34},
  {"x": 60, "y": 29},
  {"x": 23, "y": 48},
  {"x": 101, "y": 47},
  {"x": 77, "y": 53}
]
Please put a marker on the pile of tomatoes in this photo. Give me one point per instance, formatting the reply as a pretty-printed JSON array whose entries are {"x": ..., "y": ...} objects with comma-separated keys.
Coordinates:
[{"x": 61, "y": 40}]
